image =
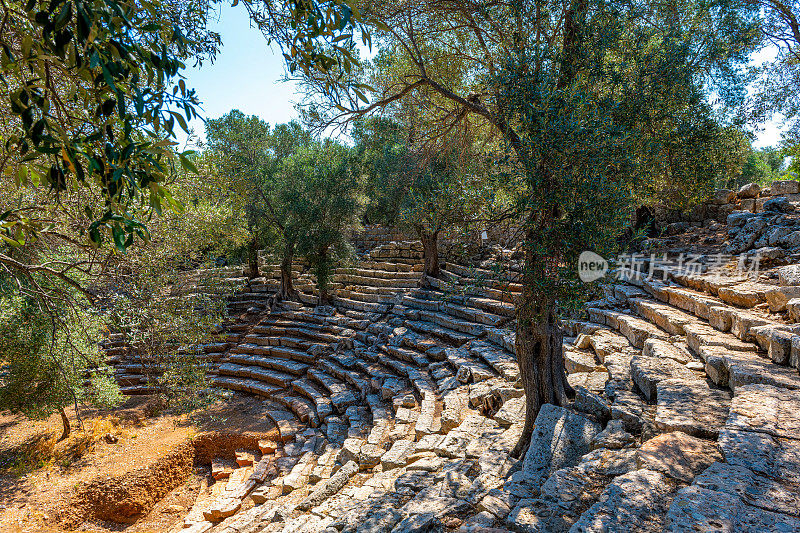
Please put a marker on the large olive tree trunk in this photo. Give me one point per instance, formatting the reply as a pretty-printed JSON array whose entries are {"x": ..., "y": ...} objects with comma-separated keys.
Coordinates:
[
  {"x": 430, "y": 253},
  {"x": 539, "y": 346},
  {"x": 323, "y": 273},
  {"x": 252, "y": 257},
  {"x": 287, "y": 291}
]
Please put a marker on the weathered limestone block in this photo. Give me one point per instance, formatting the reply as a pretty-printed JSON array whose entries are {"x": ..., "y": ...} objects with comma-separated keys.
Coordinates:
[
  {"x": 781, "y": 187},
  {"x": 754, "y": 489},
  {"x": 766, "y": 409},
  {"x": 350, "y": 449},
  {"x": 591, "y": 403},
  {"x": 747, "y": 294},
  {"x": 699, "y": 335},
  {"x": 780, "y": 346},
  {"x": 749, "y": 190},
  {"x": 748, "y": 235},
  {"x": 512, "y": 412},
  {"x": 793, "y": 309},
  {"x": 605, "y": 342},
  {"x": 762, "y": 453},
  {"x": 619, "y": 367},
  {"x": 745, "y": 322},
  {"x": 613, "y": 437},
  {"x": 722, "y": 197},
  {"x": 330, "y": 487},
  {"x": 575, "y": 361},
  {"x": 678, "y": 455},
  {"x": 397, "y": 456},
  {"x": 704, "y": 510},
  {"x": 647, "y": 372},
  {"x": 592, "y": 381},
  {"x": 664, "y": 316},
  {"x": 370, "y": 455},
  {"x": 428, "y": 443},
  {"x": 497, "y": 502},
  {"x": 692, "y": 407},
  {"x": 559, "y": 439},
  {"x": 636, "y": 501},
  {"x": 780, "y": 204},
  {"x": 665, "y": 350},
  {"x": 220, "y": 468},
  {"x": 638, "y": 331},
  {"x": 629, "y": 408},
  {"x": 778, "y": 297},
  {"x": 720, "y": 317}
]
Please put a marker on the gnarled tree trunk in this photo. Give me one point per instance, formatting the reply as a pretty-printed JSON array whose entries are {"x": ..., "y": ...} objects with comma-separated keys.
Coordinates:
[
  {"x": 323, "y": 273},
  {"x": 287, "y": 291},
  {"x": 66, "y": 428},
  {"x": 539, "y": 349},
  {"x": 430, "y": 253}
]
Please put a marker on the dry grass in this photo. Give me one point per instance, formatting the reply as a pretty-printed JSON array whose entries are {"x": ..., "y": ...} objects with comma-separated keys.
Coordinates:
[{"x": 43, "y": 451}]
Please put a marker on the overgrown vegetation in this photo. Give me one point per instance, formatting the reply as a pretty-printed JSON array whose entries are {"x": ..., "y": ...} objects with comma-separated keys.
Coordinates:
[{"x": 554, "y": 117}]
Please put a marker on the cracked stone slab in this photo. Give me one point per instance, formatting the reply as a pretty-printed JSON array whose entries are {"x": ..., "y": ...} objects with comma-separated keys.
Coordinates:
[
  {"x": 766, "y": 409},
  {"x": 678, "y": 455},
  {"x": 699, "y": 509},
  {"x": 560, "y": 437},
  {"x": 636, "y": 501},
  {"x": 754, "y": 489},
  {"x": 647, "y": 372},
  {"x": 692, "y": 407},
  {"x": 512, "y": 412},
  {"x": 762, "y": 453}
]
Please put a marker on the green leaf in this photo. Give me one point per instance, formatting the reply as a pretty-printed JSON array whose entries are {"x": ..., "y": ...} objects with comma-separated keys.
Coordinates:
[
  {"x": 187, "y": 164},
  {"x": 119, "y": 237}
]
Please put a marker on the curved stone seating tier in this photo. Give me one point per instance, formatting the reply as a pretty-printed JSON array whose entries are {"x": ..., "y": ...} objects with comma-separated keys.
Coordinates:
[{"x": 398, "y": 406}]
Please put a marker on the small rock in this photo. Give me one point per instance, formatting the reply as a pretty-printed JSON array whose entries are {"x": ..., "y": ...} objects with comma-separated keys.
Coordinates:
[
  {"x": 789, "y": 275},
  {"x": 722, "y": 197},
  {"x": 750, "y": 190},
  {"x": 780, "y": 204},
  {"x": 613, "y": 437}
]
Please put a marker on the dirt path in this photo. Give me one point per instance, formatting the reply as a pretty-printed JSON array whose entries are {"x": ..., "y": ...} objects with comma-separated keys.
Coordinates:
[{"x": 41, "y": 481}]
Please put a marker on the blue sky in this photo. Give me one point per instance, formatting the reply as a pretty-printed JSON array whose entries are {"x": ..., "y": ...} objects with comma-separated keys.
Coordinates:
[{"x": 248, "y": 74}]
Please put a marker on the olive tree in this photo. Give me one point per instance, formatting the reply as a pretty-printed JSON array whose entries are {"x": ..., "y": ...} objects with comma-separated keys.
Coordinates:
[
  {"x": 583, "y": 93},
  {"x": 322, "y": 195}
]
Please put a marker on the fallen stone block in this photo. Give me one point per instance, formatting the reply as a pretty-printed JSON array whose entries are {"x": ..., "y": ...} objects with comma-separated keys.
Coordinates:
[
  {"x": 560, "y": 437},
  {"x": 678, "y": 455}
]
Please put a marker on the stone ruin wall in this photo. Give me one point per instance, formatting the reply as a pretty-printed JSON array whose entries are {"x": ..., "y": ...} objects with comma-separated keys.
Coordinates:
[
  {"x": 723, "y": 202},
  {"x": 375, "y": 235}
]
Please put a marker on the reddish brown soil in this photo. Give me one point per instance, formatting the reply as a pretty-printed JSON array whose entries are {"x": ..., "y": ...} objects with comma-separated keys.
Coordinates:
[{"x": 128, "y": 470}]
